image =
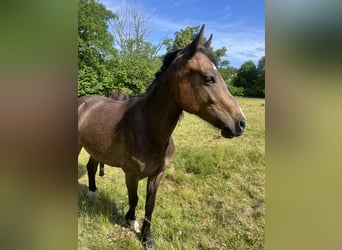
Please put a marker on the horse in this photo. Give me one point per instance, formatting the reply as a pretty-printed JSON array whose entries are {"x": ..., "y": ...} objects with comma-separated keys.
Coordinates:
[{"x": 135, "y": 134}]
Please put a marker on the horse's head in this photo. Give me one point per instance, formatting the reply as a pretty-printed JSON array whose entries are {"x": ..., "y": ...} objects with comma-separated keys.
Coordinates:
[{"x": 200, "y": 89}]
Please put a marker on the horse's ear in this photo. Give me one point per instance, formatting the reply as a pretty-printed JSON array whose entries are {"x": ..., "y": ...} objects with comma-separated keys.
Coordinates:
[
  {"x": 194, "y": 45},
  {"x": 208, "y": 43}
]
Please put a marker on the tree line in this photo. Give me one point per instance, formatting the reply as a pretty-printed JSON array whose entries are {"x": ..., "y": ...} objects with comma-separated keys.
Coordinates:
[{"x": 123, "y": 60}]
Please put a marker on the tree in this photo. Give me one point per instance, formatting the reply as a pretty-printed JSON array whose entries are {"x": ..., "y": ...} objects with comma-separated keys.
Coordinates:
[
  {"x": 95, "y": 48},
  {"x": 138, "y": 58},
  {"x": 182, "y": 38},
  {"x": 246, "y": 78},
  {"x": 131, "y": 29},
  {"x": 135, "y": 72},
  {"x": 261, "y": 76},
  {"x": 218, "y": 55},
  {"x": 228, "y": 74},
  {"x": 251, "y": 78}
]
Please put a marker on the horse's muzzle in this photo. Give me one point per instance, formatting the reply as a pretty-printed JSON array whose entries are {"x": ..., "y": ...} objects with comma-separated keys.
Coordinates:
[{"x": 226, "y": 132}]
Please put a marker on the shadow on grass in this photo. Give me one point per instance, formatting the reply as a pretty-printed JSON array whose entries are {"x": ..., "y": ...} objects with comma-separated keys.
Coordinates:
[
  {"x": 103, "y": 205},
  {"x": 100, "y": 205},
  {"x": 82, "y": 170}
]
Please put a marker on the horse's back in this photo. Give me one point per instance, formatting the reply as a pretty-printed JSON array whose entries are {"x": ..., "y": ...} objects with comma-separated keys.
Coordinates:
[
  {"x": 91, "y": 100},
  {"x": 98, "y": 105}
]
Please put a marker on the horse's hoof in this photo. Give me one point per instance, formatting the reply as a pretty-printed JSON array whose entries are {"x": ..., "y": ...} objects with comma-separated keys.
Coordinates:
[
  {"x": 134, "y": 226},
  {"x": 92, "y": 194},
  {"x": 149, "y": 243}
]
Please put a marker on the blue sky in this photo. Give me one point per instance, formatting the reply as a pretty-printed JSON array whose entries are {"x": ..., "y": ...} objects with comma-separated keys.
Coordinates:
[{"x": 237, "y": 25}]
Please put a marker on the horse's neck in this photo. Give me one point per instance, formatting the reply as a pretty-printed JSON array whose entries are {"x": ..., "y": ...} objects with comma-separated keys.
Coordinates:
[{"x": 162, "y": 113}]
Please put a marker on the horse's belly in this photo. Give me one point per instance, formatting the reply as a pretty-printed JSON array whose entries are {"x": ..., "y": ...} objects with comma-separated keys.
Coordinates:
[{"x": 106, "y": 157}]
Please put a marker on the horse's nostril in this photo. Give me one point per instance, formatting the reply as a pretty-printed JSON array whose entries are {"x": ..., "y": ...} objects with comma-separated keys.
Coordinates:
[{"x": 243, "y": 123}]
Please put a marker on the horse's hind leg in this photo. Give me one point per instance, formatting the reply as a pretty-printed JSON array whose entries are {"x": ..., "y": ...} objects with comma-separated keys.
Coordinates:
[
  {"x": 101, "y": 169},
  {"x": 92, "y": 169}
]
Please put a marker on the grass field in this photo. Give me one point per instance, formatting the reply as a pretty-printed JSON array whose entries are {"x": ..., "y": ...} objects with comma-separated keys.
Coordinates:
[{"x": 212, "y": 195}]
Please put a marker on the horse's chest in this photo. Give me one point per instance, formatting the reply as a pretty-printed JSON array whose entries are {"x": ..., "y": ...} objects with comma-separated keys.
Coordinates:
[{"x": 150, "y": 162}]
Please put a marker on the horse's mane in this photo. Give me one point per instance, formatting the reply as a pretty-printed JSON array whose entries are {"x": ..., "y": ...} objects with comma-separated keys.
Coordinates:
[{"x": 167, "y": 60}]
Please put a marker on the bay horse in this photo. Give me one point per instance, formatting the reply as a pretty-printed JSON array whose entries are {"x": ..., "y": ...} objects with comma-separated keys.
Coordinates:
[{"x": 135, "y": 134}]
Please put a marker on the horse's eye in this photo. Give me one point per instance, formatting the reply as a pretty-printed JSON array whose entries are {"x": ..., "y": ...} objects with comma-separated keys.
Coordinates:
[{"x": 209, "y": 80}]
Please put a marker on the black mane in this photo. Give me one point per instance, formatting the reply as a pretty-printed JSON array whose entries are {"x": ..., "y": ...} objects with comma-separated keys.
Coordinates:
[{"x": 167, "y": 60}]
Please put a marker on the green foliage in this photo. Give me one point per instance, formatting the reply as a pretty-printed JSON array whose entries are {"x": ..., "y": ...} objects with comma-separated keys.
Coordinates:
[
  {"x": 133, "y": 74},
  {"x": 236, "y": 91},
  {"x": 246, "y": 75},
  {"x": 103, "y": 68},
  {"x": 251, "y": 78},
  {"x": 218, "y": 55},
  {"x": 182, "y": 38},
  {"x": 261, "y": 76},
  {"x": 95, "y": 50},
  {"x": 228, "y": 74},
  {"x": 93, "y": 18},
  {"x": 137, "y": 67}
]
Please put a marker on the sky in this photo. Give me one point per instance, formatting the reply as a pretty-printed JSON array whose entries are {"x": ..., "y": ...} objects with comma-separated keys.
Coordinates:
[{"x": 237, "y": 25}]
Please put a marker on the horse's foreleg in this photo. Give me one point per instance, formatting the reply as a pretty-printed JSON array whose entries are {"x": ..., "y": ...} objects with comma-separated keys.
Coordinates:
[
  {"x": 92, "y": 168},
  {"x": 132, "y": 188},
  {"x": 152, "y": 187}
]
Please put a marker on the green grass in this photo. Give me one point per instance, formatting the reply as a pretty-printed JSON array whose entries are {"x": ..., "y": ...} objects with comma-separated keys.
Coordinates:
[{"x": 212, "y": 195}]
